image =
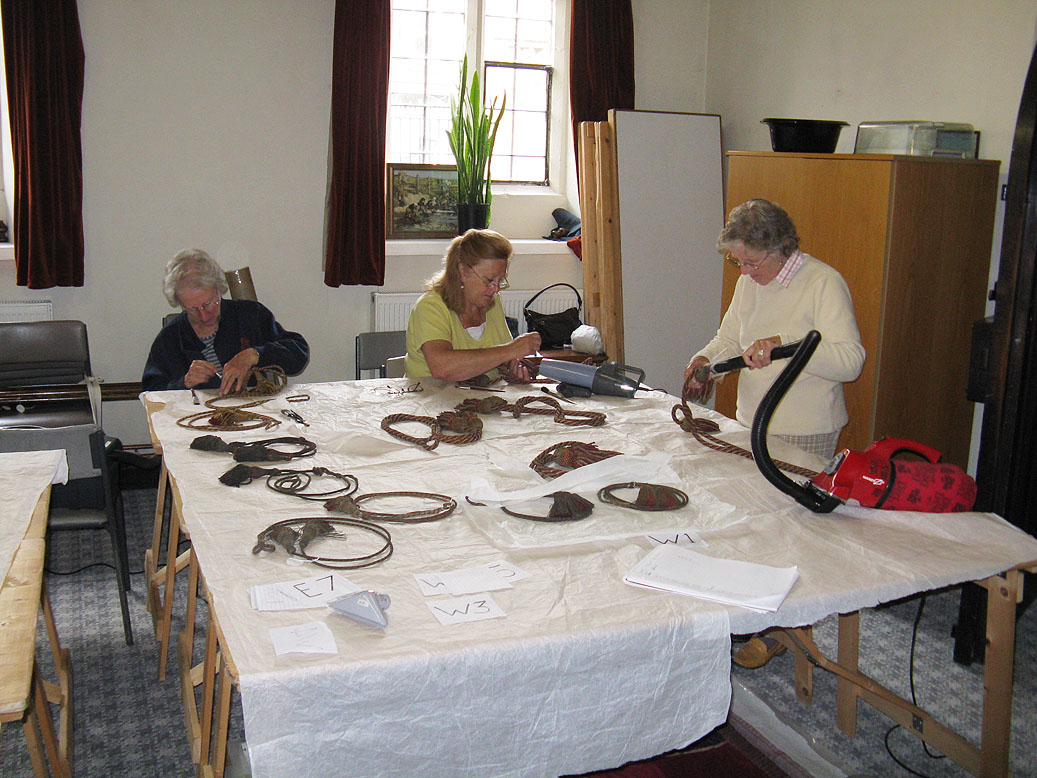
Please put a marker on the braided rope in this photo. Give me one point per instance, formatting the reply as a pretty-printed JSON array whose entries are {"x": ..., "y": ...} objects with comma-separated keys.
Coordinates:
[
  {"x": 233, "y": 418},
  {"x": 568, "y": 455},
  {"x": 527, "y": 405},
  {"x": 468, "y": 425},
  {"x": 351, "y": 506},
  {"x": 702, "y": 430},
  {"x": 257, "y": 450},
  {"x": 295, "y": 534},
  {"x": 270, "y": 380}
]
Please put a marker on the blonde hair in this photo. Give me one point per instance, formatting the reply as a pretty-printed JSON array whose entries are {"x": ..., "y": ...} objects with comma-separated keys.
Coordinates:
[{"x": 468, "y": 249}]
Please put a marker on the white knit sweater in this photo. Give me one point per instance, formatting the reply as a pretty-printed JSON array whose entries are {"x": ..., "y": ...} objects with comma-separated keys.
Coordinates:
[{"x": 816, "y": 298}]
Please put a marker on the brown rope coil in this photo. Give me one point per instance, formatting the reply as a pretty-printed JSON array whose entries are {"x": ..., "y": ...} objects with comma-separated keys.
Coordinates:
[
  {"x": 560, "y": 458},
  {"x": 467, "y": 425},
  {"x": 526, "y": 405},
  {"x": 702, "y": 430},
  {"x": 350, "y": 505}
]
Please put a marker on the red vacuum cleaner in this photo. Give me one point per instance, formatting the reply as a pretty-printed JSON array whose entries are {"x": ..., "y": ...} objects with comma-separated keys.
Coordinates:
[{"x": 870, "y": 478}]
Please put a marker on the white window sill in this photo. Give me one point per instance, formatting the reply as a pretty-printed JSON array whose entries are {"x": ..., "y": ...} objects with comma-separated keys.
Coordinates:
[
  {"x": 404, "y": 248},
  {"x": 7, "y": 252}
]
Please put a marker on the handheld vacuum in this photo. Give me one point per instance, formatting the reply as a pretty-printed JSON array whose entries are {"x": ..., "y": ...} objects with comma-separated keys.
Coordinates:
[
  {"x": 611, "y": 378},
  {"x": 870, "y": 478}
]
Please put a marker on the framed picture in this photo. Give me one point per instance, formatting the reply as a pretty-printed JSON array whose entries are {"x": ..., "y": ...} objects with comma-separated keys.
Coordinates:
[{"x": 421, "y": 201}]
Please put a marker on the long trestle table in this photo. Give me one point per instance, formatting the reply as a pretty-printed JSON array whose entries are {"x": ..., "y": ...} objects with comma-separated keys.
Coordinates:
[{"x": 578, "y": 671}]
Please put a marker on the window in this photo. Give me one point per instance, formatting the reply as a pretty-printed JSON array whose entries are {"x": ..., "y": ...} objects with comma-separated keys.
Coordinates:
[{"x": 514, "y": 42}]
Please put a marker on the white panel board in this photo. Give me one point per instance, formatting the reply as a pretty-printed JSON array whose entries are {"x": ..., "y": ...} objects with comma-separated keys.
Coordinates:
[{"x": 671, "y": 206}]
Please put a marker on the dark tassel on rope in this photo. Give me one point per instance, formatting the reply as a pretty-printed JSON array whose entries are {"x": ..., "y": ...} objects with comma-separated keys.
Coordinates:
[
  {"x": 569, "y": 506},
  {"x": 259, "y": 452},
  {"x": 210, "y": 443},
  {"x": 653, "y": 497},
  {"x": 239, "y": 475},
  {"x": 343, "y": 504}
]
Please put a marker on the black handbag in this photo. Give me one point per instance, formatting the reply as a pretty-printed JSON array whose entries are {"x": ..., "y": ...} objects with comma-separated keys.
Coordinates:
[{"x": 555, "y": 329}]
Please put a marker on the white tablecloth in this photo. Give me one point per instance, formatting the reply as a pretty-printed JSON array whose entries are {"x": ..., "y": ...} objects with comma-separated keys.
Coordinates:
[
  {"x": 584, "y": 672},
  {"x": 23, "y": 477}
]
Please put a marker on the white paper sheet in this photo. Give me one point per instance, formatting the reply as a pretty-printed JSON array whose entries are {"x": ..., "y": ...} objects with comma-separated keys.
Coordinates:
[{"x": 678, "y": 569}]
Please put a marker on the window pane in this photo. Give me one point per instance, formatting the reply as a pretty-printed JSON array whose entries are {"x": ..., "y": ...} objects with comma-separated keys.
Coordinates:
[
  {"x": 536, "y": 9},
  {"x": 429, "y": 38},
  {"x": 530, "y": 134},
  {"x": 529, "y": 92},
  {"x": 532, "y": 169},
  {"x": 446, "y": 36},
  {"x": 499, "y": 42}
]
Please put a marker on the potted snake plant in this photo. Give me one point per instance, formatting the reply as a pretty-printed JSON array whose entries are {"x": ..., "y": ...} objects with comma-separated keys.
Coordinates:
[{"x": 472, "y": 134}]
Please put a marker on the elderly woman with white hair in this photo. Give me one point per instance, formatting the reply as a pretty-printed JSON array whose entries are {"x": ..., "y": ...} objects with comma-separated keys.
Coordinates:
[{"x": 214, "y": 343}]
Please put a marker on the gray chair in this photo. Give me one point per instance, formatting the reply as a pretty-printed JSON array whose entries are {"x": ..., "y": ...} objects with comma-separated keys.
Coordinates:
[
  {"x": 373, "y": 349},
  {"x": 46, "y": 357}
]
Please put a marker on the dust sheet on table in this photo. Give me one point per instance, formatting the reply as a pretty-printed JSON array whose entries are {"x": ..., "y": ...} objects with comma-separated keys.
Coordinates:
[
  {"x": 583, "y": 672},
  {"x": 23, "y": 477}
]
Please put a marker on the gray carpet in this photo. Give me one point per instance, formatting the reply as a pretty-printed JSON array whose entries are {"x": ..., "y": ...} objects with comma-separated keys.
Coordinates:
[
  {"x": 950, "y": 692},
  {"x": 130, "y": 724}
]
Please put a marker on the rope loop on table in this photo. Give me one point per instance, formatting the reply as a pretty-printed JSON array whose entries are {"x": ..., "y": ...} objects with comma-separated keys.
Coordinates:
[
  {"x": 702, "y": 430},
  {"x": 292, "y": 482},
  {"x": 351, "y": 506},
  {"x": 257, "y": 450},
  {"x": 468, "y": 426},
  {"x": 650, "y": 497},
  {"x": 294, "y": 535},
  {"x": 565, "y": 506},
  {"x": 568, "y": 455}
]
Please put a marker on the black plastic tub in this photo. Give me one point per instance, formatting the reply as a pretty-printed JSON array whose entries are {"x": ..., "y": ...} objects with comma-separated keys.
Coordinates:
[{"x": 804, "y": 136}]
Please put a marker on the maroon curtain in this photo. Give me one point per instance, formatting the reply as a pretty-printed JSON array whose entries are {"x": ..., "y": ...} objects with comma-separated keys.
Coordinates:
[
  {"x": 601, "y": 60},
  {"x": 44, "y": 57},
  {"x": 355, "y": 252}
]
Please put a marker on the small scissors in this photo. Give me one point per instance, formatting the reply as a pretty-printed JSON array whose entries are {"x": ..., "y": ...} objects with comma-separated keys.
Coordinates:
[{"x": 288, "y": 413}]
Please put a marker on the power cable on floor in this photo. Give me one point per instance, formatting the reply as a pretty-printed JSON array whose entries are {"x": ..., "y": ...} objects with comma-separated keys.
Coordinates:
[{"x": 914, "y": 699}]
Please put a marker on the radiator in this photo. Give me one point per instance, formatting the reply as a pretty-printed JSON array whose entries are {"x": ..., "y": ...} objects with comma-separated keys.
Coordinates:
[
  {"x": 26, "y": 310},
  {"x": 392, "y": 309}
]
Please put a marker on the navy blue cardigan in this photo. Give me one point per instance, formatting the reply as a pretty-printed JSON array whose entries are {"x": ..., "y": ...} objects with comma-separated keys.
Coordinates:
[{"x": 243, "y": 324}]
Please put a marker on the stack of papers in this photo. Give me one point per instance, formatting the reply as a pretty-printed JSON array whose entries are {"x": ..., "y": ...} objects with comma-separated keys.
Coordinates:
[{"x": 678, "y": 569}]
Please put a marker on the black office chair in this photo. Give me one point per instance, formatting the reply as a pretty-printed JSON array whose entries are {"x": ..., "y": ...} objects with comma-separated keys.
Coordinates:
[
  {"x": 373, "y": 349},
  {"x": 48, "y": 356}
]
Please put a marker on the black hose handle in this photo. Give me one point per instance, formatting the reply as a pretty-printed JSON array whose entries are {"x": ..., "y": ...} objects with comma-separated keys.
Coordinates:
[
  {"x": 783, "y": 351},
  {"x": 812, "y": 498}
]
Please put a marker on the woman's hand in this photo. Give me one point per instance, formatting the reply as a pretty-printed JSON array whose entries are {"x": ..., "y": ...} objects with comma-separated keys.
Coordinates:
[
  {"x": 527, "y": 344},
  {"x": 235, "y": 372},
  {"x": 689, "y": 372},
  {"x": 759, "y": 352},
  {"x": 199, "y": 373}
]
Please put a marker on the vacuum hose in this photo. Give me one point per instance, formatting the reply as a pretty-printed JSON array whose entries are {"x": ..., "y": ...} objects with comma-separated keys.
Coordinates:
[{"x": 805, "y": 494}]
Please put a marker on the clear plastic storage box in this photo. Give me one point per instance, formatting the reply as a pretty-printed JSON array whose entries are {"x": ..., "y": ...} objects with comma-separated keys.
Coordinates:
[{"x": 925, "y": 139}]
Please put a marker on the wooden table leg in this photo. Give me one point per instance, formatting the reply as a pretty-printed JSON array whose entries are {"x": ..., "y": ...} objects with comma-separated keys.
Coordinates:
[
  {"x": 848, "y": 656},
  {"x": 1003, "y": 593}
]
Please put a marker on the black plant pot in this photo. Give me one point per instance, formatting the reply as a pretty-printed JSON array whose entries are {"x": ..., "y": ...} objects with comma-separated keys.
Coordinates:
[{"x": 472, "y": 216}]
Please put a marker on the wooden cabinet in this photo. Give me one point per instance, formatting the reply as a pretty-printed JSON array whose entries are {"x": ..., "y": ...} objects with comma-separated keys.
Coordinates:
[{"x": 912, "y": 237}]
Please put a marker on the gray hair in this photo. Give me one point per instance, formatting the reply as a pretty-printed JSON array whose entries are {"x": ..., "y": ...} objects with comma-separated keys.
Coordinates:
[
  {"x": 192, "y": 269},
  {"x": 760, "y": 225}
]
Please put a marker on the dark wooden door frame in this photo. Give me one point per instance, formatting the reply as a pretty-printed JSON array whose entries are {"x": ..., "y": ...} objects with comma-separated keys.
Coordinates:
[{"x": 1006, "y": 472}]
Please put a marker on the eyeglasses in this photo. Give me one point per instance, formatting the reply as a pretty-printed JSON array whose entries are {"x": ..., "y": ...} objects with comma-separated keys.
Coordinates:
[
  {"x": 500, "y": 283},
  {"x": 198, "y": 310},
  {"x": 740, "y": 263}
]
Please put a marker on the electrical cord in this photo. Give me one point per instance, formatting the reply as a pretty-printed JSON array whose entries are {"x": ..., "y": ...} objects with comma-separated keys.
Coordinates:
[{"x": 914, "y": 699}]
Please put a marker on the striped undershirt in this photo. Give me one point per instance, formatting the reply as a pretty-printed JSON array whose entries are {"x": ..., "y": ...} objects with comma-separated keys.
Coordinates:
[{"x": 209, "y": 351}]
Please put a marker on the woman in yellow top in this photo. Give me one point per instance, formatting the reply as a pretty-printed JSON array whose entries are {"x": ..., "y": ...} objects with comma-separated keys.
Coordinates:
[{"x": 457, "y": 329}]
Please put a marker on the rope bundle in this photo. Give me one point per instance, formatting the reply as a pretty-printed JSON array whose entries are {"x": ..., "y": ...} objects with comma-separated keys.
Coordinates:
[
  {"x": 560, "y": 458},
  {"x": 702, "y": 430}
]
